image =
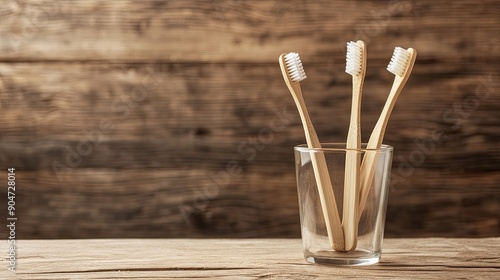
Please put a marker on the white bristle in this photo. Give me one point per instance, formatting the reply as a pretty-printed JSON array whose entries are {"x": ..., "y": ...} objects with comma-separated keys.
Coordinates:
[
  {"x": 353, "y": 59},
  {"x": 399, "y": 61},
  {"x": 294, "y": 66}
]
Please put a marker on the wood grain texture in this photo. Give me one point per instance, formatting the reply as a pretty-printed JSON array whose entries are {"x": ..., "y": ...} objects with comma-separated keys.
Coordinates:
[
  {"x": 117, "y": 113},
  {"x": 434, "y": 258},
  {"x": 243, "y": 31},
  {"x": 179, "y": 202},
  {"x": 156, "y": 203},
  {"x": 151, "y": 109}
]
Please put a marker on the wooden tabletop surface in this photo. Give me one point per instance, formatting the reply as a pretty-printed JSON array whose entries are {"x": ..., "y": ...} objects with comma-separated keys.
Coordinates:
[{"x": 430, "y": 258}]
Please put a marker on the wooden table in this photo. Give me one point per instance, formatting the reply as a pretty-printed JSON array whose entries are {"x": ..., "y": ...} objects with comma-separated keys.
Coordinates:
[{"x": 432, "y": 258}]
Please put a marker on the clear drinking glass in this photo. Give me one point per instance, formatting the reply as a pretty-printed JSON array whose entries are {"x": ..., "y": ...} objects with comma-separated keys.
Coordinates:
[{"x": 316, "y": 244}]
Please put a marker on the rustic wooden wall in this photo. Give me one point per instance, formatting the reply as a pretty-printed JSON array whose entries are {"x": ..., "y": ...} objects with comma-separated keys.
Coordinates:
[{"x": 170, "y": 118}]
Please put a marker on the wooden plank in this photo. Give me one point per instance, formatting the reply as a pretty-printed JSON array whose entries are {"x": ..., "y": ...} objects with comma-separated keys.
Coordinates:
[
  {"x": 248, "y": 31},
  {"x": 167, "y": 115},
  {"x": 258, "y": 202},
  {"x": 156, "y": 203},
  {"x": 434, "y": 258}
]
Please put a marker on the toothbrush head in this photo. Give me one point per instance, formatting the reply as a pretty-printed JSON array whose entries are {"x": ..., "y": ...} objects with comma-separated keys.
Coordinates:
[
  {"x": 399, "y": 61},
  {"x": 294, "y": 67},
  {"x": 354, "y": 58}
]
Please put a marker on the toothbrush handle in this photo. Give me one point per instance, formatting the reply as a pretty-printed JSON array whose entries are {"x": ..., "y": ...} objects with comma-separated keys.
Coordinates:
[
  {"x": 322, "y": 175},
  {"x": 328, "y": 203},
  {"x": 369, "y": 164}
]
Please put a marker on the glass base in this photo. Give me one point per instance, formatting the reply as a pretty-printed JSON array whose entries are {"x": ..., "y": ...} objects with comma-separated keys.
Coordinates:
[{"x": 358, "y": 257}]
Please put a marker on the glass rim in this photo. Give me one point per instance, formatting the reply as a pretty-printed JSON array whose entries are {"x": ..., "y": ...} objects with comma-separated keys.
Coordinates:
[{"x": 337, "y": 148}]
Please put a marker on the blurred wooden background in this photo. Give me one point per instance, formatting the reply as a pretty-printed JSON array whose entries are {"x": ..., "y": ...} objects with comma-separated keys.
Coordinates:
[{"x": 171, "y": 119}]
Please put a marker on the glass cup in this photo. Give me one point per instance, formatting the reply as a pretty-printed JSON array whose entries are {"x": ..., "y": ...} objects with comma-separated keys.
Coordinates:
[{"x": 370, "y": 228}]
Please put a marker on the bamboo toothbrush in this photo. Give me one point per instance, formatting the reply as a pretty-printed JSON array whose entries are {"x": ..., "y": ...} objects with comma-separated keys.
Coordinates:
[
  {"x": 293, "y": 73},
  {"x": 401, "y": 65},
  {"x": 356, "y": 67}
]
